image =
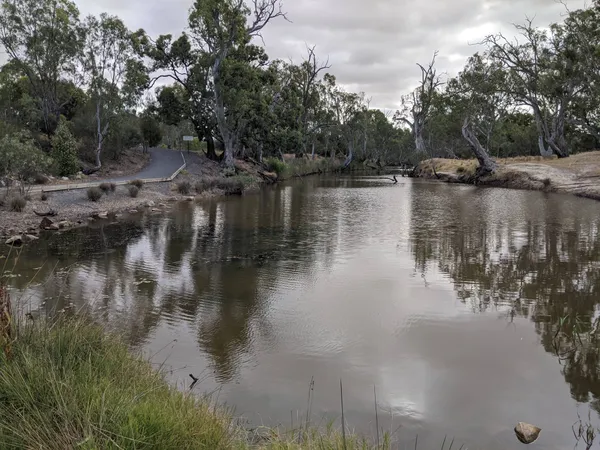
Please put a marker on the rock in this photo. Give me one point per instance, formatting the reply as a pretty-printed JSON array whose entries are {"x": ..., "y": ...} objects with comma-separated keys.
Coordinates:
[
  {"x": 15, "y": 241},
  {"x": 190, "y": 199},
  {"x": 118, "y": 216},
  {"x": 52, "y": 227},
  {"x": 103, "y": 215},
  {"x": 79, "y": 222},
  {"x": 45, "y": 223},
  {"x": 133, "y": 211},
  {"x": 527, "y": 433},
  {"x": 79, "y": 176},
  {"x": 162, "y": 205},
  {"x": 64, "y": 224},
  {"x": 65, "y": 178},
  {"x": 30, "y": 237},
  {"x": 154, "y": 210},
  {"x": 150, "y": 204}
]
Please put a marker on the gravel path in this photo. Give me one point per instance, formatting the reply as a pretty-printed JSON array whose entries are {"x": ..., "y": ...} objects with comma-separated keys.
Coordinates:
[{"x": 163, "y": 163}]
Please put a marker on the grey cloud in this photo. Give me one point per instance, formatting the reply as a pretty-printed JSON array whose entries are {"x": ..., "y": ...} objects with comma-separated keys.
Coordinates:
[{"x": 373, "y": 45}]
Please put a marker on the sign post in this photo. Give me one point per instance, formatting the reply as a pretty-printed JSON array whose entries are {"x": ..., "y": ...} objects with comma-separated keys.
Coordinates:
[{"x": 188, "y": 139}]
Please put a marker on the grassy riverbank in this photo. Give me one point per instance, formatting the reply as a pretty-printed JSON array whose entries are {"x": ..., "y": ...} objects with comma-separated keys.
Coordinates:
[
  {"x": 71, "y": 385},
  {"x": 578, "y": 175}
]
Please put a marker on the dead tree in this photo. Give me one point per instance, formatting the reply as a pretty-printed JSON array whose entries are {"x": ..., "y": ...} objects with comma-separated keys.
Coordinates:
[
  {"x": 486, "y": 164},
  {"x": 417, "y": 106}
]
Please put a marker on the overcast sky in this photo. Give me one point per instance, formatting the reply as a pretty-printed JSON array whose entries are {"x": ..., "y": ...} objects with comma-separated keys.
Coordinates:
[{"x": 372, "y": 45}]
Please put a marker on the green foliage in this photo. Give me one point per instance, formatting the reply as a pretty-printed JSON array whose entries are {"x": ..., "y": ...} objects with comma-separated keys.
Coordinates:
[
  {"x": 133, "y": 191},
  {"x": 64, "y": 149},
  {"x": 20, "y": 158},
  {"x": 275, "y": 165},
  {"x": 137, "y": 183},
  {"x": 151, "y": 133},
  {"x": 73, "y": 386},
  {"x": 17, "y": 203},
  {"x": 184, "y": 187},
  {"x": 94, "y": 194}
]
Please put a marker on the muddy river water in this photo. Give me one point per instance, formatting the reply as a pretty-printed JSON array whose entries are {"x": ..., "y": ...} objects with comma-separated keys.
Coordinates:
[{"x": 468, "y": 309}]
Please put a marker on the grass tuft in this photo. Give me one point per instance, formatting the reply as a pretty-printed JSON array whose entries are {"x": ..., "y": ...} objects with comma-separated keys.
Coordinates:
[
  {"x": 18, "y": 203},
  {"x": 108, "y": 187},
  {"x": 137, "y": 183},
  {"x": 184, "y": 187},
  {"x": 71, "y": 385},
  {"x": 94, "y": 194},
  {"x": 133, "y": 191}
]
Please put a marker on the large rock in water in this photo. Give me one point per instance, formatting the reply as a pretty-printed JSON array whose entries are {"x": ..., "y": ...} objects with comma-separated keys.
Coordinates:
[
  {"x": 527, "y": 433},
  {"x": 15, "y": 241},
  {"x": 45, "y": 223}
]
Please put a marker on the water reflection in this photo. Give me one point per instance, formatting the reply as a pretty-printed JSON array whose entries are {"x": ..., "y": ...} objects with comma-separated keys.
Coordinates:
[
  {"x": 537, "y": 254},
  {"x": 440, "y": 295}
]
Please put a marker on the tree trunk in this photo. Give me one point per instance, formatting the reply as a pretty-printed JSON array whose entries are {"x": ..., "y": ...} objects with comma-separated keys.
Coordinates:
[
  {"x": 100, "y": 138},
  {"x": 350, "y": 155},
  {"x": 542, "y": 145},
  {"x": 210, "y": 146},
  {"x": 312, "y": 156},
  {"x": 226, "y": 134},
  {"x": 419, "y": 141},
  {"x": 486, "y": 164}
]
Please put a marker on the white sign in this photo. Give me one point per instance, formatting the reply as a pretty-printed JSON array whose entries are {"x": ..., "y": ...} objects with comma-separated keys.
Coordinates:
[{"x": 188, "y": 138}]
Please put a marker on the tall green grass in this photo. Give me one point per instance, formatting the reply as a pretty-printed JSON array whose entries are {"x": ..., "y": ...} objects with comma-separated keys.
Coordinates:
[{"x": 71, "y": 385}]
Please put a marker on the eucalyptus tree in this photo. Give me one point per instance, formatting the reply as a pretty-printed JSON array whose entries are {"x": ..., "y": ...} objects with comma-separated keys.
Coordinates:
[
  {"x": 192, "y": 96},
  {"x": 112, "y": 71},
  {"x": 417, "y": 106},
  {"x": 218, "y": 27},
  {"x": 43, "y": 39},
  {"x": 542, "y": 75}
]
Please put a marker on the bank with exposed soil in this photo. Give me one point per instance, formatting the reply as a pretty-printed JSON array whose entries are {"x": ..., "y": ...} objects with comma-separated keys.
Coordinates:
[{"x": 577, "y": 175}]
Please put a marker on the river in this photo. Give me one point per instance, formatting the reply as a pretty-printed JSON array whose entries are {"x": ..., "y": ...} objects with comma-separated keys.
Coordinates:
[{"x": 468, "y": 309}]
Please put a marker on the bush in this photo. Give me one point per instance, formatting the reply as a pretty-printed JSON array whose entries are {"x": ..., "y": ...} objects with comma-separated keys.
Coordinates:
[
  {"x": 232, "y": 186},
  {"x": 205, "y": 184},
  {"x": 17, "y": 203},
  {"x": 21, "y": 158},
  {"x": 64, "y": 149},
  {"x": 108, "y": 187},
  {"x": 40, "y": 178},
  {"x": 94, "y": 194},
  {"x": 133, "y": 191},
  {"x": 184, "y": 187},
  {"x": 137, "y": 183},
  {"x": 275, "y": 165},
  {"x": 44, "y": 196}
]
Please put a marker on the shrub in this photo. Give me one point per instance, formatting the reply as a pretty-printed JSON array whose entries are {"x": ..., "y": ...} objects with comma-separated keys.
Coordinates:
[
  {"x": 21, "y": 158},
  {"x": 228, "y": 172},
  {"x": 137, "y": 183},
  {"x": 184, "y": 187},
  {"x": 275, "y": 165},
  {"x": 44, "y": 196},
  {"x": 232, "y": 186},
  {"x": 64, "y": 149},
  {"x": 40, "y": 178},
  {"x": 205, "y": 184},
  {"x": 94, "y": 194},
  {"x": 133, "y": 191},
  {"x": 18, "y": 203},
  {"x": 108, "y": 187}
]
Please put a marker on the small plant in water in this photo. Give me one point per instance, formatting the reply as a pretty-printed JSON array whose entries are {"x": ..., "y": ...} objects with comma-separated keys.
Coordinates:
[
  {"x": 133, "y": 191},
  {"x": 94, "y": 194}
]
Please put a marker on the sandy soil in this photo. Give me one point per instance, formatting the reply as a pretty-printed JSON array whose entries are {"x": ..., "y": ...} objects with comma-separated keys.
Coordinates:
[{"x": 578, "y": 175}]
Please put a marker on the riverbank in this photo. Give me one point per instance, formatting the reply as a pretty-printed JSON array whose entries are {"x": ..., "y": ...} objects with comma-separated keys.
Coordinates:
[
  {"x": 72, "y": 385},
  {"x": 577, "y": 175}
]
